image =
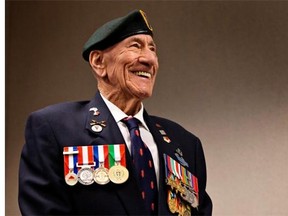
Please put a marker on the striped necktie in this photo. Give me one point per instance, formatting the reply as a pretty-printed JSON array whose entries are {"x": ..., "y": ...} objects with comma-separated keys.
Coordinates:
[{"x": 144, "y": 167}]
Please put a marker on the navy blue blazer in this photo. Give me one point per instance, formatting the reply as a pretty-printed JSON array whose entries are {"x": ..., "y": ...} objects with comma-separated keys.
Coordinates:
[{"x": 42, "y": 187}]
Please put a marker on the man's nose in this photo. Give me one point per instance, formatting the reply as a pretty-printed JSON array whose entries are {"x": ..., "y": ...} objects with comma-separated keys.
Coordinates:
[{"x": 148, "y": 57}]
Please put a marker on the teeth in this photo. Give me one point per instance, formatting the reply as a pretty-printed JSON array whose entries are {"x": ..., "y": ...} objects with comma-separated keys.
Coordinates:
[{"x": 143, "y": 74}]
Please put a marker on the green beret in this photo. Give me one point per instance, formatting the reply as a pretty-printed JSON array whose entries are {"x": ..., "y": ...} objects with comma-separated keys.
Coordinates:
[{"x": 117, "y": 30}]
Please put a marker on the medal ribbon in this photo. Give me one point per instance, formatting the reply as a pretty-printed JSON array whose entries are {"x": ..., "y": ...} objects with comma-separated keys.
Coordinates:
[
  {"x": 112, "y": 155},
  {"x": 122, "y": 155},
  {"x": 70, "y": 159},
  {"x": 102, "y": 155},
  {"x": 96, "y": 156},
  {"x": 181, "y": 173},
  {"x": 117, "y": 155},
  {"x": 85, "y": 156}
]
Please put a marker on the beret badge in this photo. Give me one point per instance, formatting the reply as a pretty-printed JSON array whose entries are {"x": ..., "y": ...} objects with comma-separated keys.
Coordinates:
[{"x": 146, "y": 19}]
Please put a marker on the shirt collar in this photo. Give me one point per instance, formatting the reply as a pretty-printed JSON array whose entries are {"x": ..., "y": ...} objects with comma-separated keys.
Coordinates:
[{"x": 118, "y": 114}]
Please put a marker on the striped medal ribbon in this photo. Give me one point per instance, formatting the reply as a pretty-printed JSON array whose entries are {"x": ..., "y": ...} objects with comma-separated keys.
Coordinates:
[{"x": 86, "y": 164}]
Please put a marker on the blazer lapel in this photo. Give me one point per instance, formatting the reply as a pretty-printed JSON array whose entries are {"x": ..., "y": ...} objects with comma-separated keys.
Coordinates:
[
  {"x": 164, "y": 147},
  {"x": 101, "y": 124},
  {"x": 104, "y": 130}
]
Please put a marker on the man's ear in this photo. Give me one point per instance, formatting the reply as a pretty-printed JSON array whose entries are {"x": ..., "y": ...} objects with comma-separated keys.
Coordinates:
[{"x": 97, "y": 62}]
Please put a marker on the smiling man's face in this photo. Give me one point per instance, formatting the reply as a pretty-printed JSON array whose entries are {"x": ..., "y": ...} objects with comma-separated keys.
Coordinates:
[{"x": 131, "y": 67}]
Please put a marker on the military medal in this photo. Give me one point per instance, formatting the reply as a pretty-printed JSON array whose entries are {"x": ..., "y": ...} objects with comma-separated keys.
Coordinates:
[
  {"x": 185, "y": 210},
  {"x": 70, "y": 157},
  {"x": 71, "y": 178},
  {"x": 183, "y": 192},
  {"x": 101, "y": 173},
  {"x": 118, "y": 174},
  {"x": 85, "y": 176},
  {"x": 172, "y": 202},
  {"x": 89, "y": 164},
  {"x": 86, "y": 162}
]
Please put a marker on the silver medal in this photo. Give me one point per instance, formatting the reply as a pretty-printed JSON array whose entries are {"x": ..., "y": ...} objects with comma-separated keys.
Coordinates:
[{"x": 85, "y": 176}]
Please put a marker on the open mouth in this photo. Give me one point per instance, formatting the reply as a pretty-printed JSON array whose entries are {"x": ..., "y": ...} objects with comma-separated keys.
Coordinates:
[{"x": 143, "y": 74}]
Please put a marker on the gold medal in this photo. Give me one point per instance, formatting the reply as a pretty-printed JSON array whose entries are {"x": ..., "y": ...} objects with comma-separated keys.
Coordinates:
[
  {"x": 101, "y": 175},
  {"x": 186, "y": 211},
  {"x": 85, "y": 176},
  {"x": 172, "y": 205},
  {"x": 71, "y": 178},
  {"x": 172, "y": 202},
  {"x": 118, "y": 174}
]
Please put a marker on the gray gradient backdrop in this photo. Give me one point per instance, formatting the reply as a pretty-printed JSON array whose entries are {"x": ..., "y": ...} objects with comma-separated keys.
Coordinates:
[{"x": 223, "y": 75}]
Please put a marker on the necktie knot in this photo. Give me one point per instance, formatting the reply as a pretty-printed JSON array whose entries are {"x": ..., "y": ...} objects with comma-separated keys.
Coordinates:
[{"x": 131, "y": 123}]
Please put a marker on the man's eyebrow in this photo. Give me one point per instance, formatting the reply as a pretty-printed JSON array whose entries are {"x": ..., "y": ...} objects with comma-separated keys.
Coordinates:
[{"x": 139, "y": 40}]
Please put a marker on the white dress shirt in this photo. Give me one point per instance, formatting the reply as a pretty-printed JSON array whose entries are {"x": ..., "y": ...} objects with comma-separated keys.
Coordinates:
[{"x": 146, "y": 136}]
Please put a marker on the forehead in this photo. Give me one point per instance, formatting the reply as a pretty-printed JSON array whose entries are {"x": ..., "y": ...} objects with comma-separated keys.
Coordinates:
[{"x": 139, "y": 38}]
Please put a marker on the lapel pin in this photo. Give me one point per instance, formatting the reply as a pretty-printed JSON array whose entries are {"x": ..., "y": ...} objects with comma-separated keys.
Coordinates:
[
  {"x": 94, "y": 110},
  {"x": 166, "y": 139},
  {"x": 97, "y": 126},
  {"x": 179, "y": 155}
]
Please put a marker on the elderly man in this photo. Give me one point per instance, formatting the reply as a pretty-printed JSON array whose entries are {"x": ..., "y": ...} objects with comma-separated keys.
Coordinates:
[{"x": 107, "y": 156}]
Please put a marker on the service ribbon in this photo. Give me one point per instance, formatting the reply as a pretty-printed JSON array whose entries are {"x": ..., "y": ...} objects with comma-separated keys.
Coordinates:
[
  {"x": 181, "y": 173},
  {"x": 70, "y": 159},
  {"x": 85, "y": 156},
  {"x": 96, "y": 156},
  {"x": 117, "y": 154},
  {"x": 103, "y": 155}
]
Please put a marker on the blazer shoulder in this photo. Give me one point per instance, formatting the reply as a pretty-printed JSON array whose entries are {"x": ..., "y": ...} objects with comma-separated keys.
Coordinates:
[
  {"x": 173, "y": 127},
  {"x": 60, "y": 110}
]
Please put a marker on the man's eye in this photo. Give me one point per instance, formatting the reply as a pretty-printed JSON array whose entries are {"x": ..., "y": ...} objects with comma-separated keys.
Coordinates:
[
  {"x": 137, "y": 45},
  {"x": 153, "y": 49}
]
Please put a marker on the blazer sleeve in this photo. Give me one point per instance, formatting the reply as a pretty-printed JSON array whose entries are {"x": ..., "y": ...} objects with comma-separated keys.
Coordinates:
[
  {"x": 42, "y": 190},
  {"x": 205, "y": 207}
]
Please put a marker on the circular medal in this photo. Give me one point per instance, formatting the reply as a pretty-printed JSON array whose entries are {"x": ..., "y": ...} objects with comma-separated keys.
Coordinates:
[
  {"x": 97, "y": 128},
  {"x": 172, "y": 205},
  {"x": 71, "y": 178},
  {"x": 85, "y": 176},
  {"x": 101, "y": 175},
  {"x": 186, "y": 212},
  {"x": 172, "y": 201},
  {"x": 118, "y": 174}
]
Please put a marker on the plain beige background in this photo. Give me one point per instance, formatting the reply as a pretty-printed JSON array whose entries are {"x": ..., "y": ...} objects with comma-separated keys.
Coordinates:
[{"x": 223, "y": 75}]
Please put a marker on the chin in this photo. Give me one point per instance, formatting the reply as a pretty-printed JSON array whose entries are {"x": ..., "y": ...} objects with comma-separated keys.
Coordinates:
[
  {"x": 144, "y": 95},
  {"x": 141, "y": 93}
]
